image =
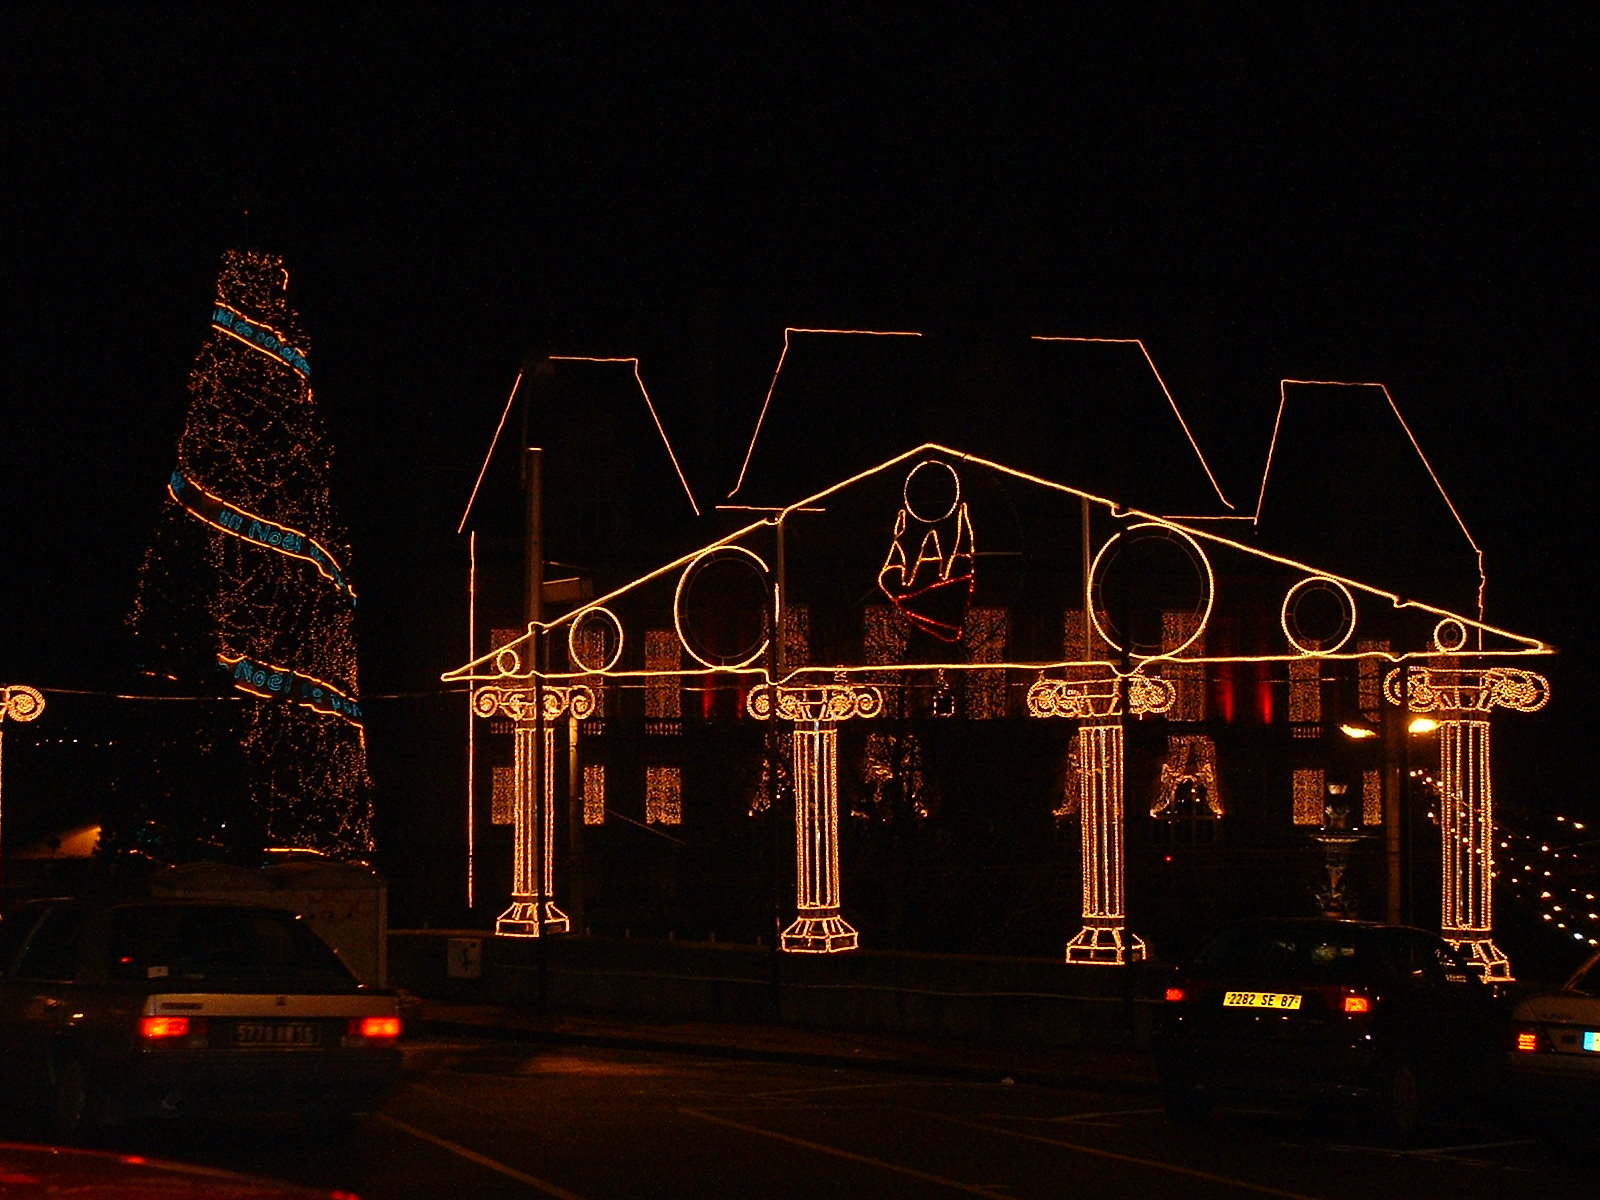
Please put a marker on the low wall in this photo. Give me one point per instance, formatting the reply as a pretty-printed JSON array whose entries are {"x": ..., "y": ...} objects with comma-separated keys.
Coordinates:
[{"x": 1036, "y": 1001}]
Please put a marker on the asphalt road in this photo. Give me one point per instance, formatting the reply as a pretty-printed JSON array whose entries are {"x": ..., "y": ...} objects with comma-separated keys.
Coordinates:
[{"x": 498, "y": 1119}]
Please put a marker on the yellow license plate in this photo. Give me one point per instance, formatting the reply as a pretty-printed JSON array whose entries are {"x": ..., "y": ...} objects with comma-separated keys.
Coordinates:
[{"x": 1260, "y": 1000}]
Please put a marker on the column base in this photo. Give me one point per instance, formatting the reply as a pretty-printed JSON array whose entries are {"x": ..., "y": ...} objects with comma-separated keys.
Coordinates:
[
  {"x": 819, "y": 935},
  {"x": 1106, "y": 945},
  {"x": 531, "y": 918},
  {"x": 1478, "y": 948}
]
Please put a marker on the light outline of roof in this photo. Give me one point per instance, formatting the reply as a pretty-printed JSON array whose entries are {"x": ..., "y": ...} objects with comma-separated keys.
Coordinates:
[
  {"x": 1165, "y": 391},
  {"x": 648, "y": 403},
  {"x": 755, "y": 436},
  {"x": 1266, "y": 470}
]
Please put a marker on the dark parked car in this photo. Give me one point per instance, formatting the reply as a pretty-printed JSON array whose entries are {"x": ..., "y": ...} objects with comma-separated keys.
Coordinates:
[
  {"x": 1555, "y": 1049},
  {"x": 1385, "y": 1020},
  {"x": 163, "y": 1007}
]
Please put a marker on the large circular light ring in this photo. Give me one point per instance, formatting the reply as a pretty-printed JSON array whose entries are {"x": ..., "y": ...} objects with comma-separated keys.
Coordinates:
[
  {"x": 1288, "y": 617},
  {"x": 582, "y": 621},
  {"x": 700, "y": 562},
  {"x": 929, "y": 464},
  {"x": 1196, "y": 555},
  {"x": 1449, "y": 636}
]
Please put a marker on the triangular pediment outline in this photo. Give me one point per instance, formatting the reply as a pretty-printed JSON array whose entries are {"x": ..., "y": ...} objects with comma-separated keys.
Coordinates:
[{"x": 482, "y": 669}]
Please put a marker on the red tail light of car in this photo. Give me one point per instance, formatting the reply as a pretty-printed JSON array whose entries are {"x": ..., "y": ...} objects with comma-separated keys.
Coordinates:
[
  {"x": 173, "y": 1031},
  {"x": 374, "y": 1029},
  {"x": 1529, "y": 1039}
]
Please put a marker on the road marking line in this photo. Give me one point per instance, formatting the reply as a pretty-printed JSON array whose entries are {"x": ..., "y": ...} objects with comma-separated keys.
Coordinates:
[
  {"x": 1173, "y": 1168},
  {"x": 1088, "y": 1118},
  {"x": 911, "y": 1172},
  {"x": 482, "y": 1160}
]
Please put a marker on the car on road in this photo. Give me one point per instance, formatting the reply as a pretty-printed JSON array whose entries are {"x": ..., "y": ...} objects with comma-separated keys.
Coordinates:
[
  {"x": 1382, "y": 1020},
  {"x": 1554, "y": 1060},
  {"x": 160, "y": 1007}
]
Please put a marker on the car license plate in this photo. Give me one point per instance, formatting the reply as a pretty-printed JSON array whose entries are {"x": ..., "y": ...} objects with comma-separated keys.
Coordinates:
[
  {"x": 1260, "y": 1000},
  {"x": 1591, "y": 1040},
  {"x": 274, "y": 1033}
]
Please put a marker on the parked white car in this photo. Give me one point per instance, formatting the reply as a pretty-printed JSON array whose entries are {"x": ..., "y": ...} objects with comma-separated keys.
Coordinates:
[{"x": 1554, "y": 1060}]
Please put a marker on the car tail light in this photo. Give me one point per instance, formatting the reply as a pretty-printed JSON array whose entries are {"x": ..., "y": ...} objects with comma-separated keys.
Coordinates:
[
  {"x": 1176, "y": 995},
  {"x": 173, "y": 1031},
  {"x": 1530, "y": 1039},
  {"x": 375, "y": 1029},
  {"x": 1357, "y": 1004},
  {"x": 153, "y": 1028}
]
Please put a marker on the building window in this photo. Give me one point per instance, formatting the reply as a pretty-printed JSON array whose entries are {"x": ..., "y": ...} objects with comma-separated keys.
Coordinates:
[
  {"x": 1305, "y": 697},
  {"x": 663, "y": 693},
  {"x": 1188, "y": 679},
  {"x": 663, "y": 796},
  {"x": 883, "y": 636},
  {"x": 1309, "y": 796},
  {"x": 796, "y": 636},
  {"x": 985, "y": 633},
  {"x": 503, "y": 796},
  {"x": 594, "y": 794}
]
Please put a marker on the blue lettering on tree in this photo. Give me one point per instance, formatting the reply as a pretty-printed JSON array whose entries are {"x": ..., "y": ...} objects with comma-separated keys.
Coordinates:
[
  {"x": 270, "y": 681},
  {"x": 261, "y": 337}
]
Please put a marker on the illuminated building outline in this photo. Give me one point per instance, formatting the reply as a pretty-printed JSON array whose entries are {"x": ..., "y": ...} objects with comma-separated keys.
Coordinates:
[
  {"x": 1272, "y": 446},
  {"x": 1095, "y": 702}
]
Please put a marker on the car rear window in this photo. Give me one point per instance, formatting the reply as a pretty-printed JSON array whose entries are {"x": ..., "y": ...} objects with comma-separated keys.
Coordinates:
[
  {"x": 220, "y": 944},
  {"x": 1311, "y": 954}
]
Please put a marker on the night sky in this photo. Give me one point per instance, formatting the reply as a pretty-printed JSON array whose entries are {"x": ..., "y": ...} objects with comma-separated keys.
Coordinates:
[{"x": 1397, "y": 198}]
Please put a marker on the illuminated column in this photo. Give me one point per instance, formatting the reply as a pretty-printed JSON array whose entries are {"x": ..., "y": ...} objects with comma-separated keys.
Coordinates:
[
  {"x": 20, "y": 703},
  {"x": 533, "y": 911},
  {"x": 1466, "y": 831},
  {"x": 1104, "y": 939},
  {"x": 818, "y": 928},
  {"x": 1463, "y": 698}
]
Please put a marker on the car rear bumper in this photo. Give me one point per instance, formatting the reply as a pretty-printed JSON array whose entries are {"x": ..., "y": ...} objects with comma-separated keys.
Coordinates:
[{"x": 1271, "y": 1071}]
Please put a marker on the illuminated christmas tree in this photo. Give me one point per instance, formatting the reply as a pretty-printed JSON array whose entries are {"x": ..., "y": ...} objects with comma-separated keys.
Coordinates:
[{"x": 245, "y": 609}]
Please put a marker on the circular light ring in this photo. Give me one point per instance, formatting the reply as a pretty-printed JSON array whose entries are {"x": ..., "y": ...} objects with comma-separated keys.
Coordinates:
[
  {"x": 955, "y": 497},
  {"x": 1196, "y": 555},
  {"x": 700, "y": 561},
  {"x": 1291, "y": 598},
  {"x": 598, "y": 613},
  {"x": 1449, "y": 636},
  {"x": 507, "y": 661},
  {"x": 21, "y": 702}
]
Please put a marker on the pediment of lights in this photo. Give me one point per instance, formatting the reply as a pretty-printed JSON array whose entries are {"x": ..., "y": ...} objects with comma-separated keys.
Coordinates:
[{"x": 935, "y": 534}]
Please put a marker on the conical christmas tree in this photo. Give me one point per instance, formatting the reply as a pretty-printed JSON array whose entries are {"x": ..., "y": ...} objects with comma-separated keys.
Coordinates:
[{"x": 245, "y": 606}]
